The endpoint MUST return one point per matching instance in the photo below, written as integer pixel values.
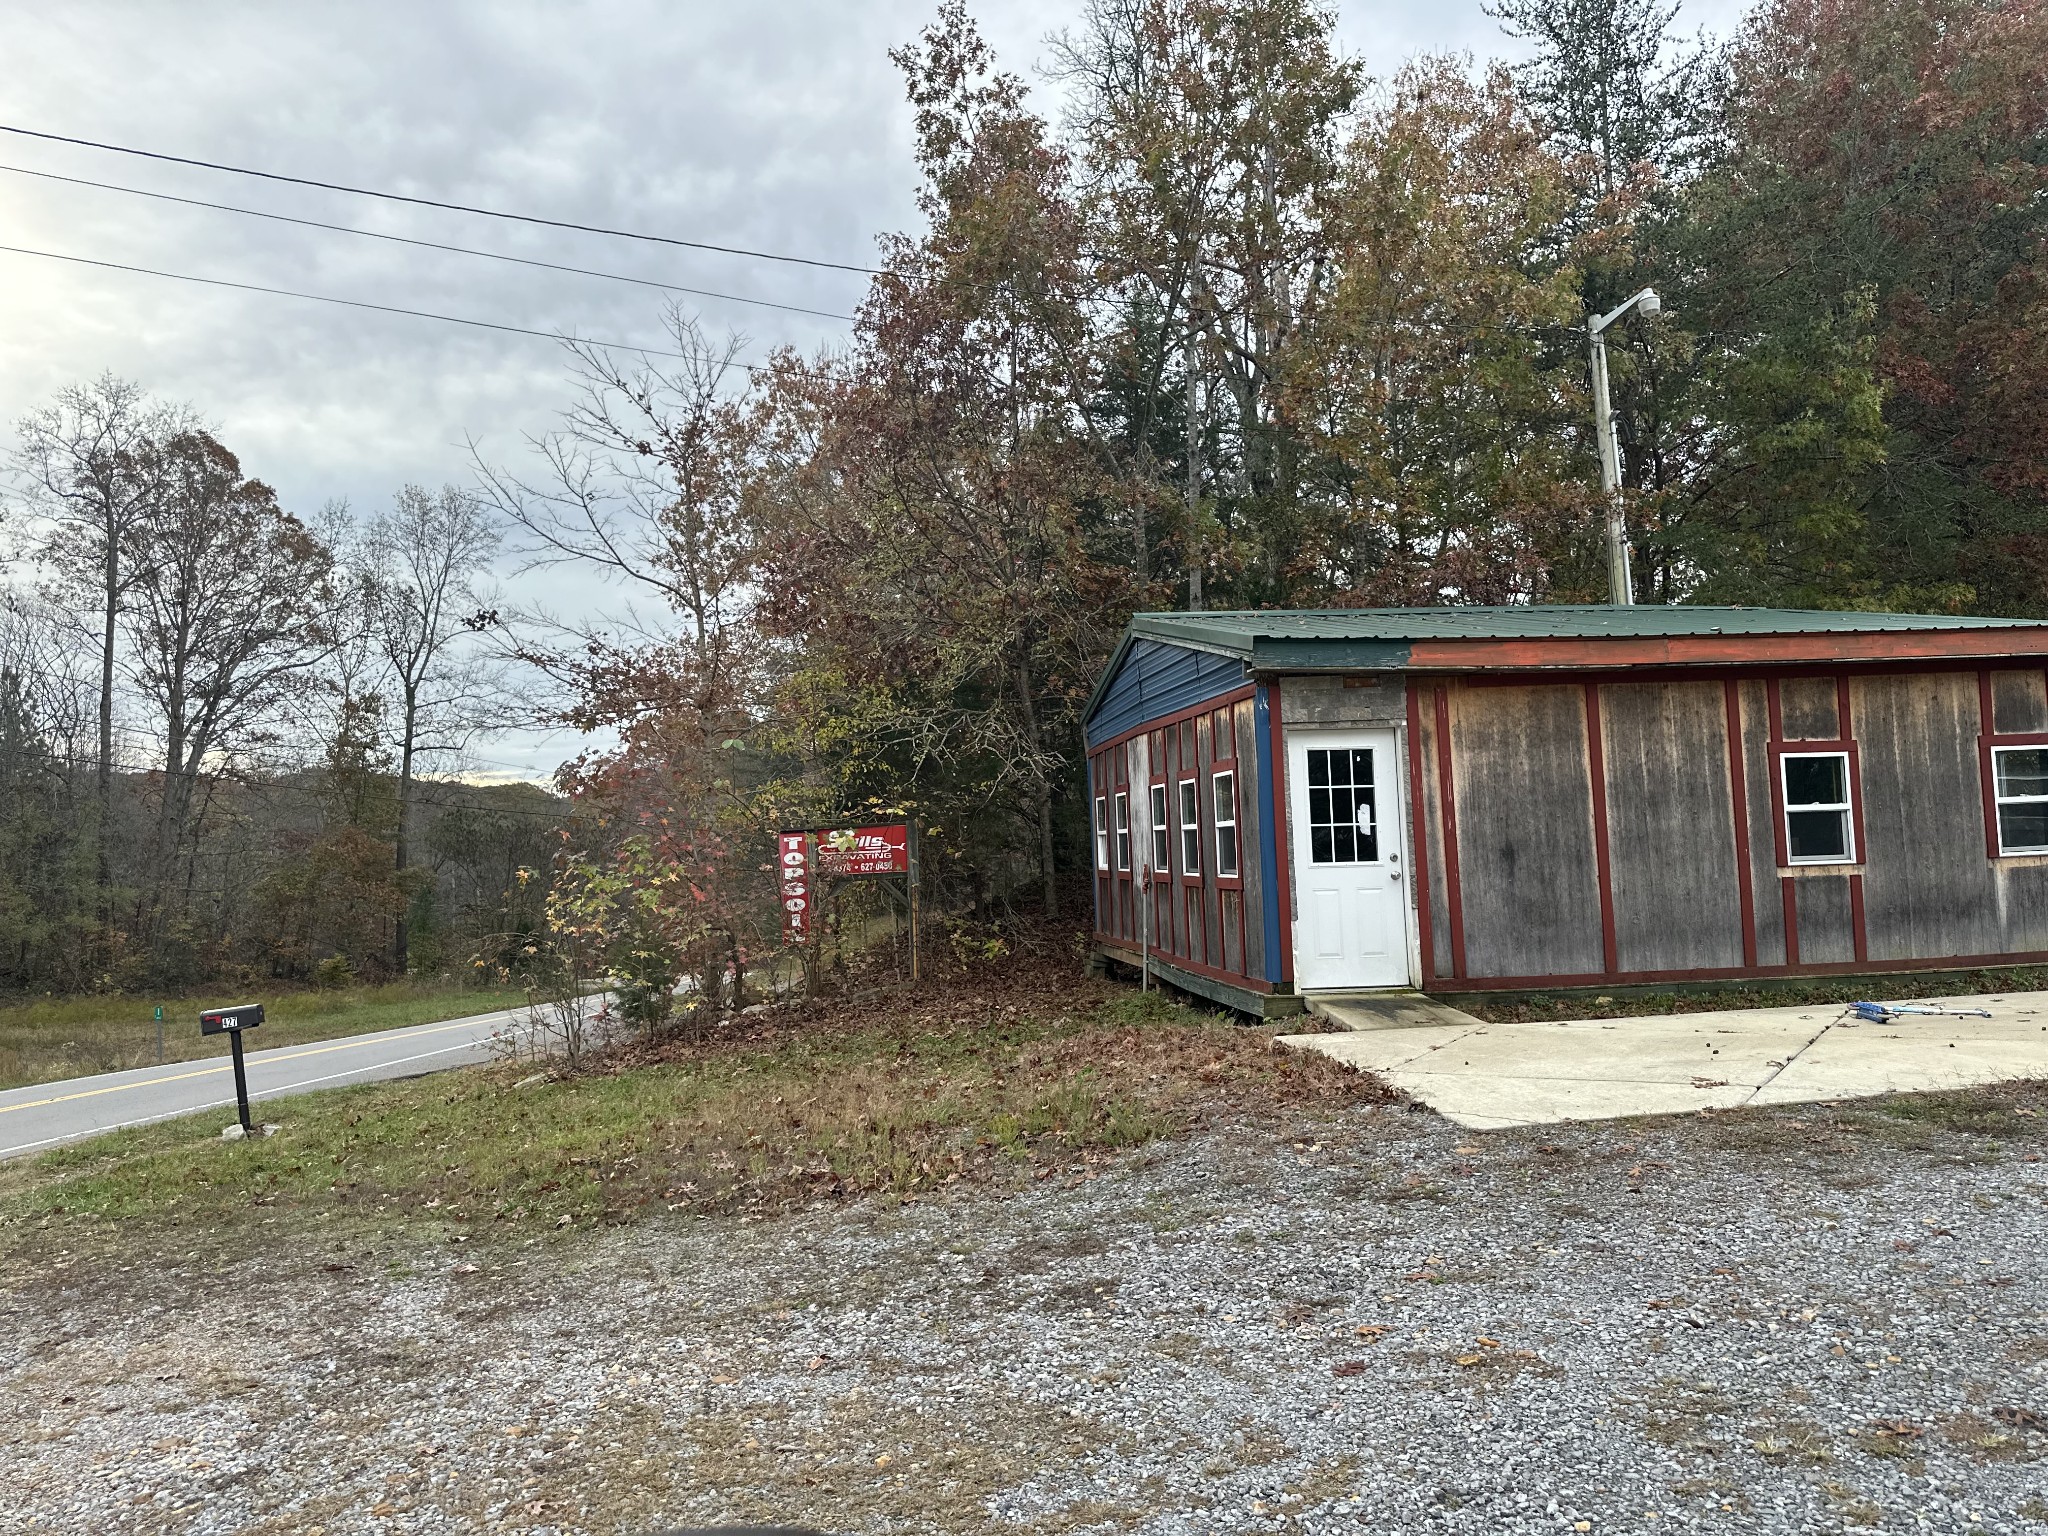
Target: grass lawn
(51, 1038)
(894, 1095)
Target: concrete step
(1393, 1009)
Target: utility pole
(1620, 583)
(1194, 414)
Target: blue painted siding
(1156, 679)
(1275, 828)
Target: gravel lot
(1759, 1322)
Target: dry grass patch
(1010, 1071)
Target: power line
(430, 245)
(383, 309)
(428, 202)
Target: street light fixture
(1620, 587)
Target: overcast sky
(777, 125)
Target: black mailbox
(223, 1021)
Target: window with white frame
(1819, 826)
(1101, 832)
(1123, 830)
(1223, 792)
(2020, 777)
(1190, 828)
(1159, 833)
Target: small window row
(1113, 827)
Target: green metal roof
(1381, 639)
(1239, 632)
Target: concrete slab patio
(1488, 1076)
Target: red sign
(883, 850)
(795, 875)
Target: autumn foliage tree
(1237, 324)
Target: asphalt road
(48, 1114)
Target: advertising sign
(795, 874)
(880, 850)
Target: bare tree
(92, 468)
(645, 486)
(227, 619)
(417, 572)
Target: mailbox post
(231, 1022)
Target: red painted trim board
(1233, 698)
(1281, 863)
(1603, 862)
(1738, 797)
(1447, 809)
(1570, 677)
(1418, 817)
(1706, 650)
(1845, 727)
(1986, 727)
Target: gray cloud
(777, 126)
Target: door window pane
(1343, 817)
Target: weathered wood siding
(1671, 827)
(2020, 701)
(1445, 936)
(1930, 888)
(1807, 707)
(1523, 870)
(1253, 827)
(1524, 805)
(1767, 895)
(1212, 925)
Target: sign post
(817, 853)
(231, 1022)
(795, 875)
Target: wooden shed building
(1465, 799)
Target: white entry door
(1351, 918)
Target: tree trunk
(401, 852)
(103, 782)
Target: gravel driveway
(1759, 1322)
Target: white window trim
(1847, 807)
(1122, 828)
(2000, 800)
(1161, 841)
(1218, 805)
(1101, 832)
(1190, 794)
